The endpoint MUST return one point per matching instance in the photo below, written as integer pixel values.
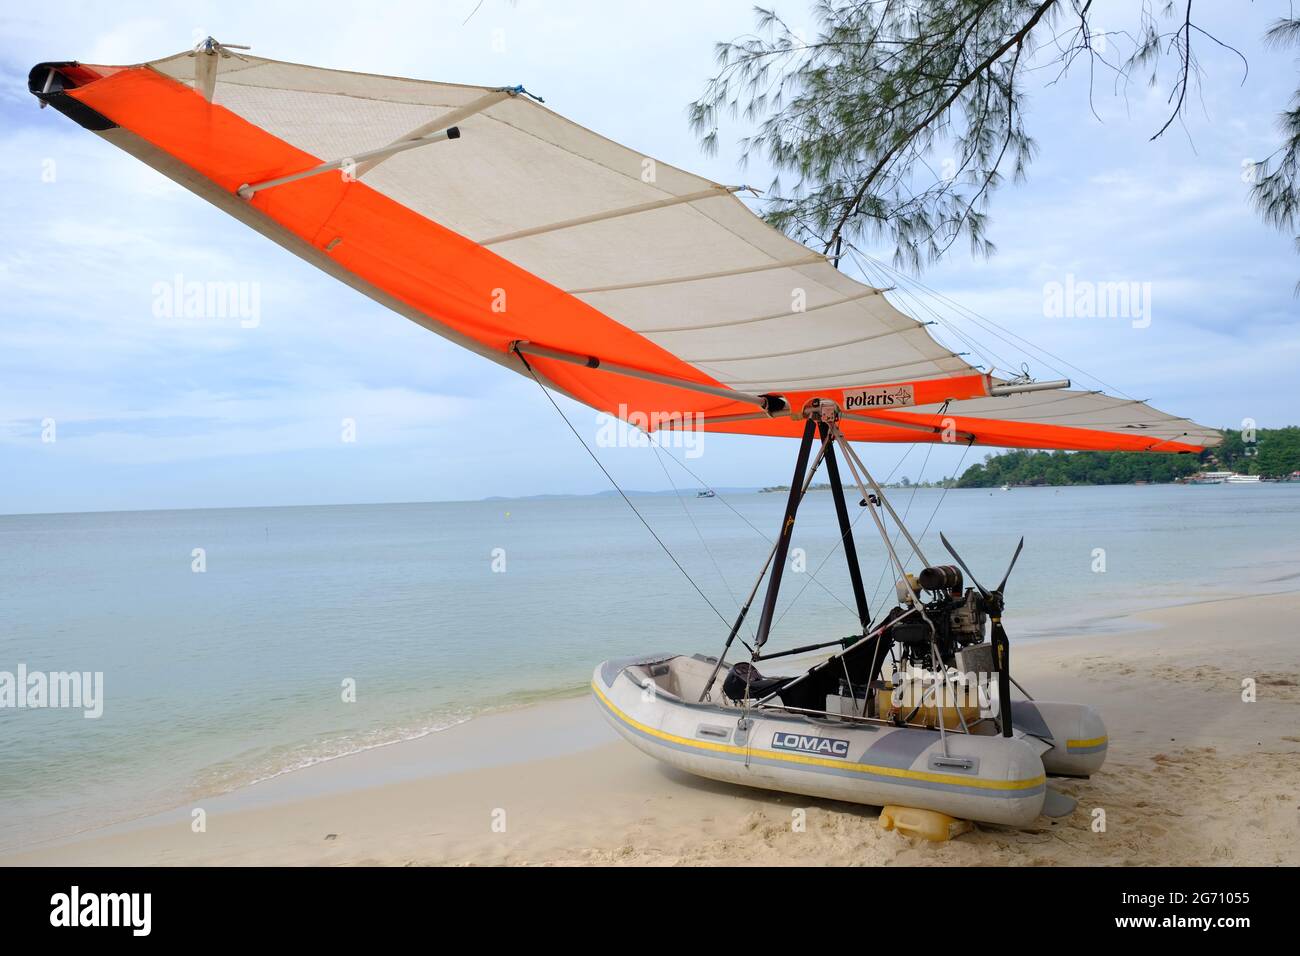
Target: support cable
(760, 532)
(691, 518)
(622, 493)
(991, 327)
(853, 524)
(933, 514)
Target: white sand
(1194, 776)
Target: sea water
(235, 645)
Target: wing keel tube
(771, 404)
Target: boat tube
(1075, 731)
(652, 703)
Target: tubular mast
(821, 417)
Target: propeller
(957, 557)
(993, 603)
(1020, 547)
(993, 599)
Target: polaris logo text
(102, 909)
(807, 744)
(889, 396)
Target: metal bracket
(206, 53)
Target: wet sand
(1195, 775)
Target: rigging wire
(897, 533)
(918, 305)
(726, 623)
(948, 323)
(911, 499)
(852, 524)
(920, 477)
(866, 264)
(915, 305)
(989, 325)
(757, 530)
(689, 517)
(934, 514)
(906, 286)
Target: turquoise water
(215, 679)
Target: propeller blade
(957, 558)
(1019, 548)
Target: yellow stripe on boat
(943, 778)
(1091, 742)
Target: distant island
(1274, 453)
(901, 483)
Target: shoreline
(1184, 748)
(1126, 620)
(197, 794)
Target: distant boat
(1202, 480)
(1243, 479)
(1006, 487)
(709, 493)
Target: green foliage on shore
(1275, 453)
(1077, 468)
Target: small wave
(259, 766)
(218, 780)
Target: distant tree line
(1274, 453)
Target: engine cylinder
(945, 577)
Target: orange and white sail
(624, 282)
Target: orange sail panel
(446, 276)
(530, 228)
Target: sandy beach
(1195, 775)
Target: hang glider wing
(628, 284)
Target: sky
(155, 410)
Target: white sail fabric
(670, 255)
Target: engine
(959, 616)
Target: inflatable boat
(916, 710)
(652, 702)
